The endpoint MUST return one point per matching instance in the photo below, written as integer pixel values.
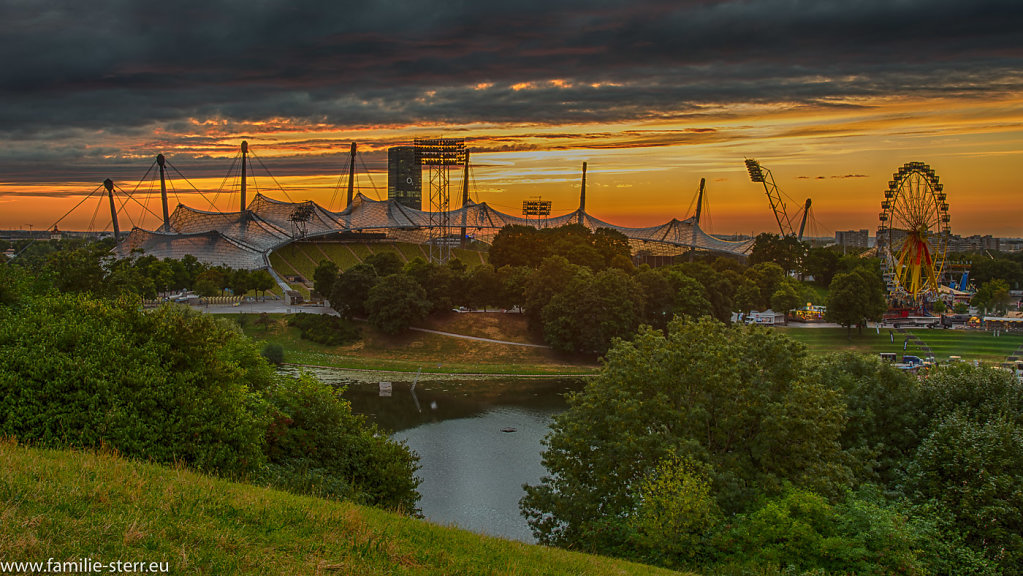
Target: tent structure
(245, 239)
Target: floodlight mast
(465, 198)
(758, 173)
(440, 154)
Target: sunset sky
(831, 96)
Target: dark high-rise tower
(405, 176)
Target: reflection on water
(473, 471)
(478, 442)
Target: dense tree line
(174, 386)
(578, 289)
(90, 267)
(731, 451)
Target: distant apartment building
(852, 238)
(975, 243)
(1011, 244)
(405, 176)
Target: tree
(395, 303)
(822, 264)
(206, 285)
(676, 508)
(719, 283)
(994, 296)
(516, 245)
(658, 296)
(438, 281)
(241, 282)
(984, 270)
(885, 413)
(485, 287)
(324, 277)
(385, 263)
(612, 245)
(512, 281)
(689, 298)
(262, 281)
(786, 297)
(854, 298)
(551, 278)
(78, 270)
(787, 252)
(747, 296)
(350, 290)
(736, 401)
(768, 277)
(593, 310)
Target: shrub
(167, 385)
(325, 329)
(274, 353)
(316, 445)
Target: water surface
(478, 440)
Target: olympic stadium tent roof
(245, 239)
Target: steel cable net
(245, 239)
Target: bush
(316, 445)
(167, 385)
(325, 329)
(172, 386)
(274, 353)
(803, 532)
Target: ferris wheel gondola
(913, 234)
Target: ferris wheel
(913, 233)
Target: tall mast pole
(465, 195)
(245, 152)
(696, 224)
(582, 196)
(806, 214)
(351, 176)
(109, 185)
(160, 161)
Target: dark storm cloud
(120, 66)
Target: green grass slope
(71, 505)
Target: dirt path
(479, 339)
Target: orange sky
(841, 155)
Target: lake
(478, 440)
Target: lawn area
(432, 353)
(69, 505)
(970, 345)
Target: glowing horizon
(640, 173)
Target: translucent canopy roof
(245, 239)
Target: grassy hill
(71, 505)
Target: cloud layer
(109, 73)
